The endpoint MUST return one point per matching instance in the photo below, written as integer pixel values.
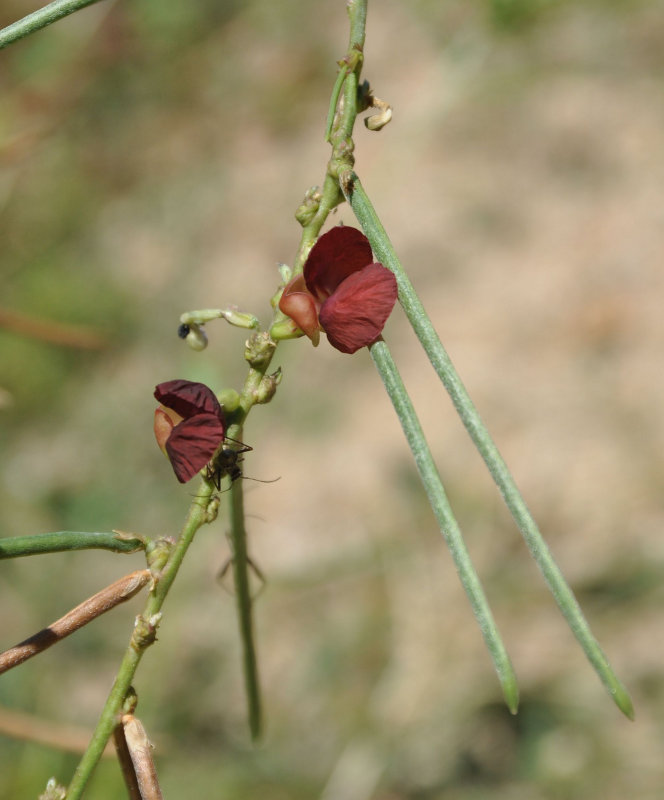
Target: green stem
(107, 722)
(349, 68)
(331, 197)
(259, 353)
(383, 250)
(141, 639)
(341, 120)
(13, 547)
(40, 19)
(339, 129)
(446, 520)
(357, 14)
(240, 564)
(336, 91)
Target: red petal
(336, 255)
(192, 444)
(356, 313)
(301, 307)
(188, 398)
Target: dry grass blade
(142, 776)
(118, 592)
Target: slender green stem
(340, 122)
(142, 638)
(330, 198)
(479, 434)
(341, 119)
(40, 19)
(339, 129)
(107, 722)
(259, 353)
(445, 516)
(336, 91)
(357, 14)
(13, 547)
(240, 564)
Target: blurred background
(152, 155)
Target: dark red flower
(341, 291)
(189, 425)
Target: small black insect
(227, 462)
(183, 331)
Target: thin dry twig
(126, 764)
(118, 592)
(140, 774)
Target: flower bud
(286, 273)
(212, 509)
(53, 791)
(267, 387)
(259, 350)
(285, 329)
(145, 630)
(130, 701)
(307, 211)
(229, 399)
(157, 553)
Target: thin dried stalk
(139, 772)
(118, 592)
(126, 764)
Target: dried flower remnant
(341, 291)
(189, 425)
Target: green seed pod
(267, 387)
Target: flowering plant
(189, 425)
(341, 292)
(344, 283)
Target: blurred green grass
(152, 156)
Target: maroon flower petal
(354, 316)
(336, 255)
(300, 306)
(187, 398)
(192, 444)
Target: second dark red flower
(341, 291)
